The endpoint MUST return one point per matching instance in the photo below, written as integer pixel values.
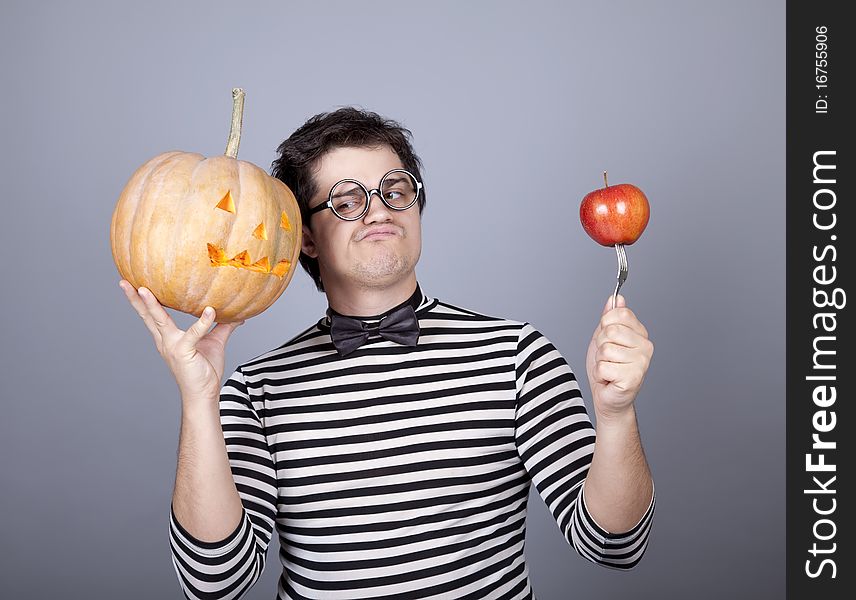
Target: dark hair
(347, 127)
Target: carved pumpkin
(204, 232)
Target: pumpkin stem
(605, 182)
(235, 130)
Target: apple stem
(605, 182)
(235, 129)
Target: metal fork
(622, 271)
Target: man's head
(351, 144)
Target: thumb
(198, 330)
(619, 302)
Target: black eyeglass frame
(368, 192)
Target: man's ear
(308, 243)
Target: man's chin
(387, 270)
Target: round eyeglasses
(349, 199)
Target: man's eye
(393, 195)
(346, 204)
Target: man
(392, 443)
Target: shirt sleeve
(555, 440)
(230, 567)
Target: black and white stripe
(402, 472)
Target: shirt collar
(417, 300)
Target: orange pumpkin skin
(174, 231)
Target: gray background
(516, 109)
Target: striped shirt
(402, 472)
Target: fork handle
(618, 281)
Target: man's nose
(378, 211)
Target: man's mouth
(378, 234)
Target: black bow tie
(400, 326)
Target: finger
(624, 316)
(134, 298)
(622, 377)
(615, 353)
(159, 316)
(198, 330)
(606, 308)
(607, 372)
(619, 334)
(619, 302)
(140, 307)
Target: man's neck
(361, 301)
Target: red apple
(615, 214)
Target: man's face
(380, 249)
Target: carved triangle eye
(227, 203)
(260, 233)
(281, 268)
(284, 222)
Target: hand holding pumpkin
(196, 357)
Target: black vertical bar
(821, 438)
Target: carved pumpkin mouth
(242, 259)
